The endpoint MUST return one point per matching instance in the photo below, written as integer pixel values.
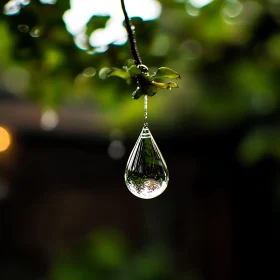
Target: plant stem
(132, 40)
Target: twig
(132, 40)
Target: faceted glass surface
(146, 173)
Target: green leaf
(118, 73)
(129, 63)
(134, 71)
(137, 93)
(168, 85)
(164, 72)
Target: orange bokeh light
(5, 139)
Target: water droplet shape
(146, 173)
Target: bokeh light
(113, 32)
(36, 32)
(5, 139)
(13, 7)
(199, 3)
(116, 149)
(89, 72)
(23, 28)
(81, 41)
(49, 119)
(16, 80)
(50, 2)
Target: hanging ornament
(146, 174)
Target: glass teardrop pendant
(146, 173)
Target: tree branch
(132, 40)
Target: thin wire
(145, 110)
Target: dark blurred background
(66, 134)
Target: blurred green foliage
(105, 254)
(227, 53)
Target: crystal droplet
(146, 173)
